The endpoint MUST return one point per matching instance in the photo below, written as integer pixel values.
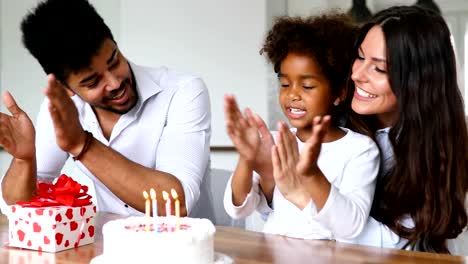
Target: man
(129, 128)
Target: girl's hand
(307, 165)
(293, 172)
(262, 163)
(242, 129)
(17, 133)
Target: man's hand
(69, 134)
(17, 134)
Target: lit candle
(147, 211)
(177, 208)
(168, 209)
(154, 204)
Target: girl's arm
(251, 198)
(343, 209)
(241, 183)
(244, 133)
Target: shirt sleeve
(352, 200)
(184, 149)
(255, 200)
(50, 158)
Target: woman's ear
(341, 96)
(337, 101)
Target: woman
(406, 95)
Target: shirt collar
(146, 85)
(382, 130)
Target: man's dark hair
(64, 35)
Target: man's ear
(69, 91)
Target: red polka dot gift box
(60, 217)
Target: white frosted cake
(128, 241)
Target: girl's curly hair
(329, 39)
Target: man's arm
(19, 183)
(182, 154)
(184, 146)
(17, 137)
(127, 179)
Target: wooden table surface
(242, 246)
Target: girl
(323, 194)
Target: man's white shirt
(168, 130)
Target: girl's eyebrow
(305, 76)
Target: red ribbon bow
(65, 191)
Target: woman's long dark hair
(430, 140)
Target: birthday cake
(135, 240)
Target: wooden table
(242, 246)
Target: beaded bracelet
(89, 138)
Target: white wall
(217, 40)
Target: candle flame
(153, 194)
(145, 194)
(174, 194)
(165, 195)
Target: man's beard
(133, 98)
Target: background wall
(218, 40)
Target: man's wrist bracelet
(89, 138)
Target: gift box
(60, 217)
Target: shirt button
(126, 206)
